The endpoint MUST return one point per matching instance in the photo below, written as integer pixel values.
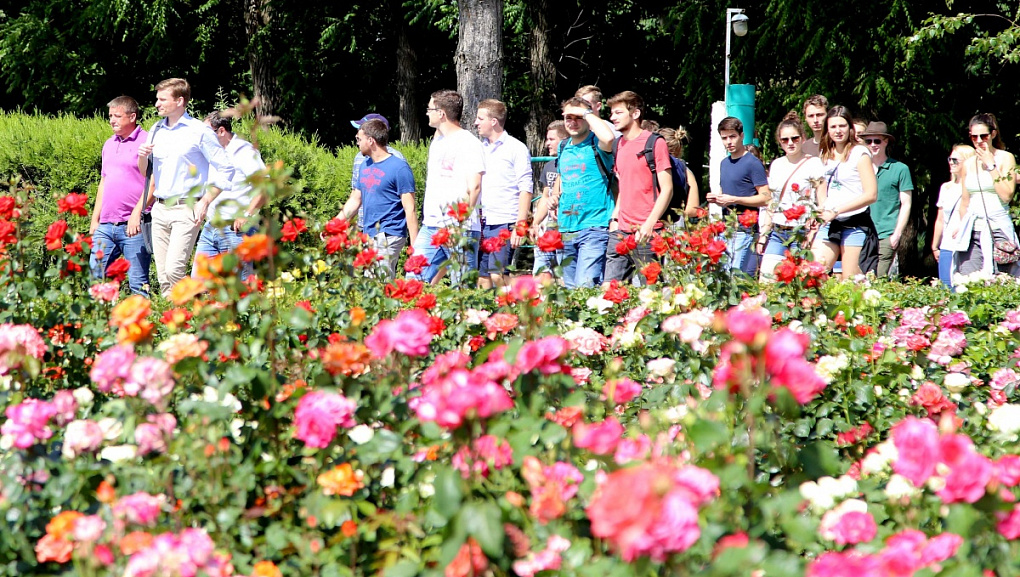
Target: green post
(740, 103)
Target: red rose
(616, 292)
(335, 244)
(306, 305)
(505, 234)
(659, 245)
(522, 228)
(441, 237)
(795, 187)
(651, 272)
(7, 206)
(426, 302)
(550, 241)
(786, 271)
(55, 235)
(459, 211)
(337, 226)
(405, 290)
(291, 229)
(7, 232)
(714, 250)
(366, 258)
(436, 325)
(415, 264)
(748, 218)
(492, 244)
(794, 212)
(74, 203)
(626, 245)
(118, 269)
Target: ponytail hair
(675, 139)
(988, 119)
(791, 120)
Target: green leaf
(484, 522)
(707, 434)
(820, 459)
(448, 492)
(401, 569)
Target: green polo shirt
(893, 178)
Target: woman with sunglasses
(851, 187)
(988, 185)
(948, 216)
(792, 180)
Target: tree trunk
(257, 19)
(479, 55)
(542, 101)
(407, 74)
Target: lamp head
(739, 24)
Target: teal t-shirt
(585, 198)
(893, 178)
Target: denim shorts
(779, 242)
(851, 236)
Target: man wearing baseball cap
(891, 211)
(360, 158)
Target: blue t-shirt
(585, 198)
(381, 184)
(742, 176)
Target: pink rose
(150, 439)
(140, 508)
(111, 368)
(745, 324)
(106, 292)
(632, 449)
(620, 391)
(586, 341)
(407, 334)
(151, 379)
(27, 422)
(1009, 523)
(941, 547)
(599, 438)
(844, 564)
(969, 472)
(89, 528)
(917, 442)
(543, 355)
(80, 437)
(65, 405)
(854, 527)
(318, 415)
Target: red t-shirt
(637, 189)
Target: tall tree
(407, 76)
(479, 56)
(258, 25)
(542, 93)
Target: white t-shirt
(797, 188)
(233, 201)
(844, 182)
(949, 201)
(452, 160)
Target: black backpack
(678, 169)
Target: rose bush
(315, 421)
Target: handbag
(1004, 250)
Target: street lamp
(736, 21)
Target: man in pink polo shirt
(120, 188)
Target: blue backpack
(678, 169)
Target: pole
(726, 68)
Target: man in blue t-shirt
(585, 201)
(385, 188)
(359, 158)
(744, 186)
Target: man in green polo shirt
(892, 209)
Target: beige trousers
(174, 232)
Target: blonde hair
(966, 152)
(178, 87)
(675, 139)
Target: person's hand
(576, 110)
(145, 150)
(201, 207)
(894, 240)
(614, 225)
(134, 225)
(763, 240)
(239, 224)
(645, 232)
(516, 241)
(938, 253)
(92, 228)
(828, 215)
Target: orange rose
(357, 316)
(130, 311)
(469, 561)
(134, 542)
(182, 346)
(254, 247)
(208, 267)
(342, 480)
(135, 333)
(62, 524)
(266, 569)
(349, 528)
(186, 289)
(51, 548)
(350, 359)
(105, 493)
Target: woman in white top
(988, 186)
(851, 187)
(793, 180)
(948, 217)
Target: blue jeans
(110, 242)
(740, 248)
(584, 256)
(495, 262)
(468, 259)
(213, 241)
(779, 243)
(946, 267)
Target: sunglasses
(980, 137)
(572, 117)
(789, 139)
(872, 141)
(954, 161)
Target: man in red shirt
(639, 205)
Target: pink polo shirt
(122, 183)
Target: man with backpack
(645, 194)
(584, 193)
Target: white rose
(676, 414)
(917, 373)
(112, 428)
(600, 304)
(119, 453)
(646, 296)
(872, 297)
(899, 487)
(956, 382)
(387, 479)
(361, 434)
(661, 367)
(83, 396)
(631, 339)
(6, 442)
(1005, 419)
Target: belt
(121, 223)
(783, 227)
(174, 202)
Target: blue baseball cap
(367, 117)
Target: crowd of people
(612, 182)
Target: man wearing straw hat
(891, 211)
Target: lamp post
(736, 21)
